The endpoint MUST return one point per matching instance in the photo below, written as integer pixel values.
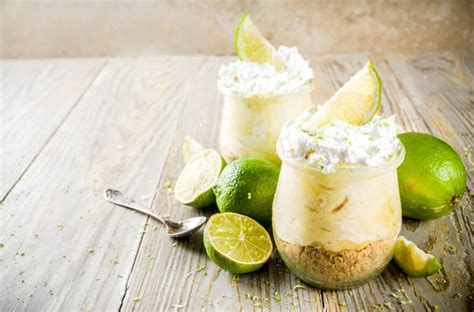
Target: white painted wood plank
(131, 142)
(65, 248)
(36, 96)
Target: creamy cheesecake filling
(338, 187)
(335, 211)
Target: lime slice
(250, 45)
(414, 261)
(190, 148)
(199, 175)
(237, 243)
(356, 102)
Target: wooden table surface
(72, 127)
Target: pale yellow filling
(251, 126)
(334, 211)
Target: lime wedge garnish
(356, 102)
(414, 261)
(199, 175)
(190, 148)
(250, 45)
(236, 242)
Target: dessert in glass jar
(258, 100)
(336, 211)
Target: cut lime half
(237, 243)
(199, 176)
(356, 102)
(251, 45)
(190, 148)
(414, 261)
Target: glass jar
(337, 230)
(250, 126)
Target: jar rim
(347, 169)
(309, 84)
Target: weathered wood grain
(36, 96)
(439, 88)
(126, 132)
(63, 246)
(167, 274)
(177, 274)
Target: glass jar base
(336, 270)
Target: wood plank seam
(53, 133)
(175, 138)
(124, 295)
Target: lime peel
(432, 178)
(250, 175)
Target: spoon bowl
(173, 229)
(186, 227)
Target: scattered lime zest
(136, 299)
(296, 287)
(168, 184)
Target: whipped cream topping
(248, 78)
(340, 143)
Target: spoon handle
(116, 197)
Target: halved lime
(199, 175)
(250, 45)
(190, 148)
(414, 261)
(236, 242)
(356, 102)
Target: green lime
(190, 148)
(250, 45)
(432, 178)
(198, 177)
(414, 261)
(247, 186)
(356, 102)
(236, 243)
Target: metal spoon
(173, 229)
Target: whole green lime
(247, 186)
(432, 178)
